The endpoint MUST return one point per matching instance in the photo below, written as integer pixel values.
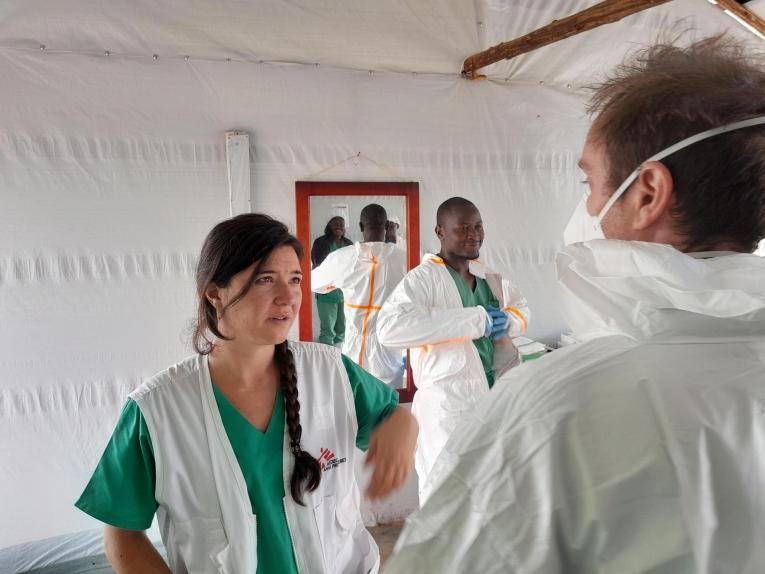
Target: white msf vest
(204, 510)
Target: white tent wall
(112, 170)
(513, 152)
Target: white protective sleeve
(328, 276)
(517, 309)
(409, 319)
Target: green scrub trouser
(332, 321)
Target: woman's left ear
(654, 198)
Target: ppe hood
(652, 291)
(376, 249)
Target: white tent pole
(238, 168)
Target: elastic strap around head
(674, 148)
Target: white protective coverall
(367, 273)
(425, 314)
(637, 450)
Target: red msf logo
(328, 460)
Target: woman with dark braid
(245, 452)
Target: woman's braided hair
(307, 473)
(232, 246)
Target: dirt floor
(386, 535)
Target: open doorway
(319, 202)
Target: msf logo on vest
(328, 460)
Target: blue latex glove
(496, 325)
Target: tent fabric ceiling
(395, 35)
(400, 35)
(573, 60)
(113, 169)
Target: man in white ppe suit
(367, 273)
(639, 449)
(456, 315)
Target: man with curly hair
(640, 449)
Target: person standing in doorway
(392, 233)
(367, 273)
(330, 305)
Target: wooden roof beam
(602, 13)
(743, 15)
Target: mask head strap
(672, 149)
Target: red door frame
(304, 190)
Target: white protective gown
(425, 314)
(638, 450)
(367, 273)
